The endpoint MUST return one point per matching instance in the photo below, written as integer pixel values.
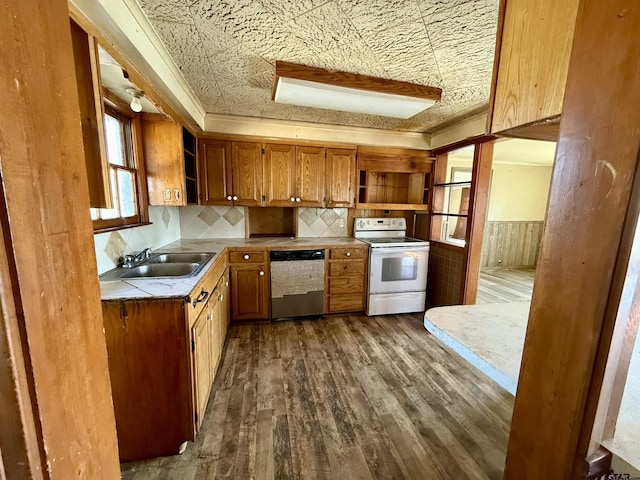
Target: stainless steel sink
(161, 270)
(180, 258)
(169, 265)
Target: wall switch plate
(167, 194)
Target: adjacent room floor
(505, 285)
(346, 396)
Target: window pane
(452, 229)
(109, 213)
(126, 184)
(114, 140)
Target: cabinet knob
(235, 197)
(229, 197)
(210, 317)
(348, 254)
(220, 297)
(293, 199)
(298, 199)
(261, 273)
(226, 284)
(246, 257)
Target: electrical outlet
(167, 194)
(341, 223)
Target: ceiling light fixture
(350, 92)
(136, 104)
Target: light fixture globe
(136, 104)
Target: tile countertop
(144, 288)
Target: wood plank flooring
(505, 285)
(342, 397)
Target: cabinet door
(341, 178)
(164, 160)
(215, 172)
(246, 169)
(279, 173)
(310, 163)
(249, 292)
(201, 346)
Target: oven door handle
(386, 250)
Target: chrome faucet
(134, 259)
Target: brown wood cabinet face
(532, 63)
(250, 292)
(164, 161)
(346, 280)
(310, 168)
(149, 365)
(87, 68)
(246, 170)
(201, 336)
(341, 178)
(215, 172)
(280, 171)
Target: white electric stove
(397, 266)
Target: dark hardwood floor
(503, 285)
(345, 396)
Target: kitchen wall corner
(212, 222)
(322, 222)
(164, 229)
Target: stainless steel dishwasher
(297, 283)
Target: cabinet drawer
(346, 268)
(340, 285)
(347, 253)
(248, 256)
(345, 303)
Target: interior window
(123, 174)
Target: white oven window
(396, 269)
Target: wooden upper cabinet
(215, 172)
(87, 69)
(246, 171)
(164, 160)
(341, 178)
(294, 176)
(532, 60)
(310, 176)
(279, 173)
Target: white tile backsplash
(164, 228)
(322, 222)
(212, 222)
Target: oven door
(398, 269)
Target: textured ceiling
(226, 50)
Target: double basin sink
(172, 265)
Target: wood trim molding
(352, 80)
(464, 143)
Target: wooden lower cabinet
(250, 292)
(163, 355)
(346, 279)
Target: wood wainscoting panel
(511, 244)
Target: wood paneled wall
(511, 244)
